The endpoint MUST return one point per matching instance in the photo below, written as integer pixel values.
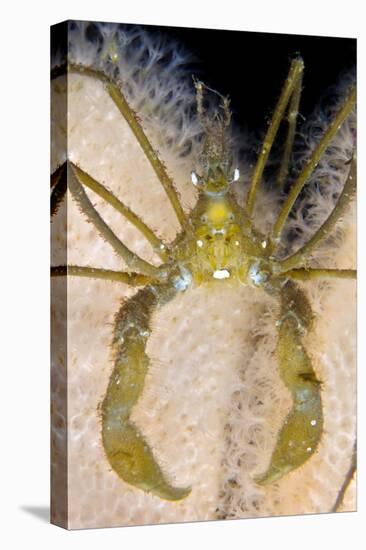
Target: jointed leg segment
(291, 87)
(58, 187)
(292, 114)
(88, 181)
(118, 98)
(304, 274)
(132, 259)
(132, 279)
(311, 164)
(344, 199)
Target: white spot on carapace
(199, 243)
(236, 174)
(313, 422)
(194, 178)
(221, 274)
(309, 449)
(264, 244)
(237, 243)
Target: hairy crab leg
(324, 230)
(88, 181)
(114, 91)
(132, 259)
(133, 279)
(58, 187)
(126, 448)
(303, 426)
(304, 274)
(291, 118)
(292, 84)
(302, 179)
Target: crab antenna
(215, 150)
(199, 100)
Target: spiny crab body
(219, 245)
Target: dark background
(251, 67)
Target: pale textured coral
(213, 401)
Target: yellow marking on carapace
(218, 212)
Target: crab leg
(132, 259)
(303, 426)
(292, 85)
(291, 118)
(311, 164)
(58, 187)
(324, 230)
(88, 181)
(126, 448)
(120, 101)
(132, 279)
(304, 274)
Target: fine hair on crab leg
(132, 279)
(90, 182)
(324, 230)
(303, 426)
(305, 274)
(120, 101)
(291, 118)
(126, 448)
(132, 259)
(292, 85)
(58, 187)
(311, 164)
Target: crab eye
(236, 175)
(194, 178)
